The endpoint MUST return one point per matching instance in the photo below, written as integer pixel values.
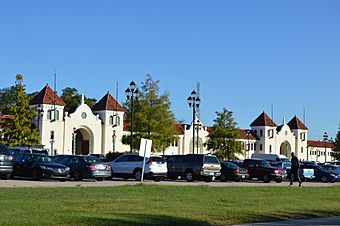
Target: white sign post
(145, 151)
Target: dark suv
(261, 169)
(193, 167)
(6, 164)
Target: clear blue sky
(246, 54)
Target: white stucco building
(100, 130)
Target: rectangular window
(301, 149)
(254, 147)
(270, 148)
(260, 147)
(261, 133)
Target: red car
(262, 170)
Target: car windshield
(3, 150)
(211, 160)
(286, 164)
(158, 160)
(42, 159)
(263, 163)
(91, 159)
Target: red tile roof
(244, 136)
(296, 123)
(319, 144)
(180, 128)
(47, 96)
(263, 120)
(108, 103)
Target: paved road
(118, 182)
(317, 221)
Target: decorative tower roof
(296, 123)
(47, 96)
(263, 120)
(108, 103)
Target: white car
(130, 166)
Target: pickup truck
(262, 170)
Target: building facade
(100, 129)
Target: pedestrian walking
(295, 170)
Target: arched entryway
(83, 141)
(285, 149)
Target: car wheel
(36, 175)
(208, 179)
(278, 180)
(77, 176)
(324, 179)
(5, 176)
(189, 176)
(62, 180)
(137, 175)
(237, 180)
(157, 179)
(99, 179)
(223, 178)
(266, 179)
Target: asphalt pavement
(120, 182)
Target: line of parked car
(38, 165)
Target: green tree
(17, 129)
(223, 138)
(72, 98)
(336, 148)
(153, 118)
(7, 97)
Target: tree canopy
(17, 129)
(72, 98)
(336, 149)
(223, 138)
(153, 118)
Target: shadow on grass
(288, 215)
(140, 219)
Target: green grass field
(164, 205)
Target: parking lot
(120, 182)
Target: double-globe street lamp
(325, 139)
(131, 93)
(194, 102)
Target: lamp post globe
(131, 94)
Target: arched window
(111, 120)
(49, 114)
(56, 115)
(118, 121)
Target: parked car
(6, 164)
(230, 171)
(16, 150)
(85, 167)
(131, 165)
(239, 163)
(262, 170)
(193, 167)
(39, 166)
(330, 167)
(283, 165)
(318, 173)
(270, 157)
(336, 163)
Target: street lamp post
(131, 93)
(325, 139)
(194, 102)
(74, 141)
(52, 142)
(114, 141)
(248, 131)
(40, 111)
